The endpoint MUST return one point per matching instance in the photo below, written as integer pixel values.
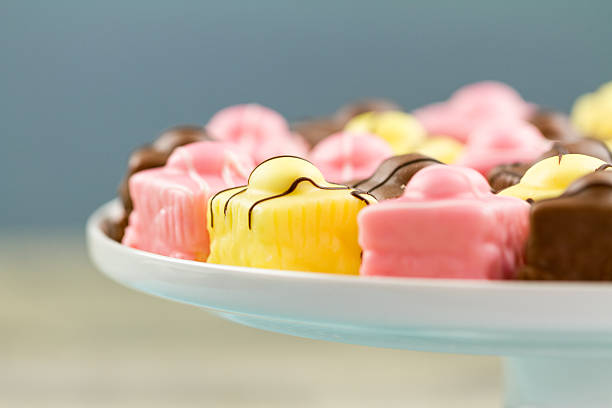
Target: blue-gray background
(82, 83)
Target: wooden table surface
(71, 338)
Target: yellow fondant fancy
(442, 148)
(287, 217)
(401, 130)
(550, 177)
(592, 113)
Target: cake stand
(556, 338)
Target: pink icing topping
(169, 216)
(446, 182)
(489, 98)
(261, 131)
(347, 156)
(503, 141)
(447, 224)
(470, 107)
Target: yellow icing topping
(442, 148)
(278, 175)
(550, 177)
(288, 217)
(592, 113)
(401, 130)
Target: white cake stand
(556, 337)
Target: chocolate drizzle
(228, 200)
(603, 167)
(587, 146)
(354, 193)
(210, 203)
(394, 171)
(560, 149)
(273, 158)
(243, 190)
(293, 186)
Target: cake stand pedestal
(556, 338)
